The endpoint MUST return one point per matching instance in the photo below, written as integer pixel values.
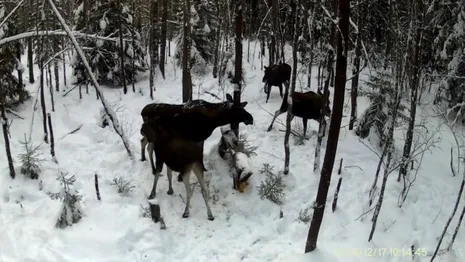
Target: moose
(307, 105)
(276, 75)
(180, 155)
(185, 125)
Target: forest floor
(245, 227)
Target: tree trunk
(164, 28)
(186, 66)
(4, 122)
(355, 77)
(289, 117)
(274, 43)
(322, 126)
(30, 60)
(20, 73)
(334, 127)
(121, 47)
(238, 60)
(42, 102)
(52, 140)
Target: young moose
(180, 155)
(276, 75)
(306, 105)
(193, 121)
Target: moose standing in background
(306, 105)
(276, 75)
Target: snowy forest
(316, 130)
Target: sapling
(71, 211)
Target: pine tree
(104, 56)
(203, 36)
(11, 91)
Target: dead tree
(42, 101)
(287, 153)
(334, 127)
(4, 121)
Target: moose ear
(229, 98)
(243, 104)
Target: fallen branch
(11, 111)
(72, 132)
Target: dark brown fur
(306, 105)
(180, 155)
(276, 75)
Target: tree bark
(4, 122)
(164, 28)
(121, 47)
(355, 77)
(334, 127)
(287, 153)
(186, 68)
(238, 60)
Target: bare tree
(163, 39)
(291, 92)
(334, 127)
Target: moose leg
(170, 183)
(143, 144)
(157, 172)
(186, 179)
(198, 171)
(268, 87)
(281, 90)
(276, 114)
(150, 152)
(304, 122)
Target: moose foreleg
(276, 114)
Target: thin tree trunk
(238, 59)
(164, 27)
(322, 125)
(42, 102)
(4, 122)
(186, 47)
(30, 60)
(334, 127)
(20, 72)
(52, 140)
(355, 77)
(50, 87)
(121, 47)
(290, 116)
(57, 76)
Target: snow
(245, 227)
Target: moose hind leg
(143, 144)
(186, 179)
(281, 90)
(304, 123)
(157, 171)
(198, 171)
(169, 172)
(276, 114)
(268, 87)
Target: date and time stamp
(380, 252)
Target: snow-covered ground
(245, 226)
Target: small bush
(124, 187)
(71, 211)
(305, 215)
(246, 148)
(30, 161)
(273, 186)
